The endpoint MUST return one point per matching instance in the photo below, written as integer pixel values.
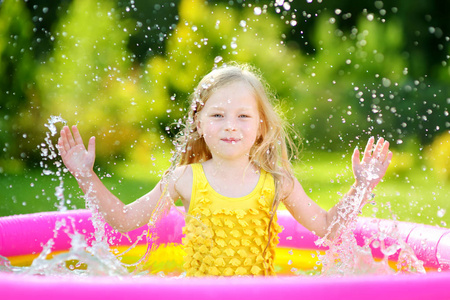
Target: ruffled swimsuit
(230, 236)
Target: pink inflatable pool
(22, 235)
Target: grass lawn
(412, 194)
(415, 194)
(33, 192)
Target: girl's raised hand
(370, 170)
(73, 152)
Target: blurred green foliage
(123, 70)
(17, 70)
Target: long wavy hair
(273, 147)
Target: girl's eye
(217, 115)
(244, 116)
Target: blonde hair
(271, 149)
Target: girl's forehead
(234, 94)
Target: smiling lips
(230, 140)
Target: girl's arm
(368, 173)
(80, 162)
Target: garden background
(123, 71)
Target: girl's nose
(230, 125)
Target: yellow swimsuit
(228, 236)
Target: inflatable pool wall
(25, 234)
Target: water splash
(345, 257)
(80, 260)
(96, 259)
(98, 255)
(5, 265)
(49, 154)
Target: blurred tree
(124, 69)
(45, 14)
(17, 70)
(199, 42)
(88, 75)
(417, 35)
(353, 73)
(155, 21)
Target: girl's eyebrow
(238, 108)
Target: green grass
(32, 192)
(414, 194)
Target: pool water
(167, 260)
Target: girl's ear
(260, 129)
(198, 125)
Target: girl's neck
(230, 168)
(231, 178)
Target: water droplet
(376, 244)
(233, 44)
(257, 11)
(441, 213)
(47, 172)
(386, 82)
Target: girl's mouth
(230, 140)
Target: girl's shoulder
(181, 179)
(287, 181)
(182, 173)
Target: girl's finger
(69, 136)
(77, 135)
(368, 150)
(91, 146)
(64, 143)
(384, 151)
(61, 149)
(378, 147)
(388, 160)
(355, 157)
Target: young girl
(232, 173)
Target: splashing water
(49, 153)
(96, 259)
(346, 238)
(346, 257)
(5, 265)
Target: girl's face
(229, 121)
